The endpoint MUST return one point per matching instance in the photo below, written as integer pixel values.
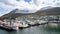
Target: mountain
(50, 11)
(45, 8)
(17, 13)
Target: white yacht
(23, 24)
(31, 22)
(42, 21)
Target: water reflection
(41, 29)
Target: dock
(6, 28)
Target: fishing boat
(23, 24)
(42, 21)
(31, 22)
(8, 26)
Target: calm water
(41, 29)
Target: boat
(8, 26)
(31, 23)
(23, 24)
(42, 22)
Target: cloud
(34, 4)
(5, 8)
(8, 5)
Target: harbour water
(40, 29)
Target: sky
(8, 5)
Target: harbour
(29, 16)
(23, 22)
(41, 29)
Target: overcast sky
(8, 5)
